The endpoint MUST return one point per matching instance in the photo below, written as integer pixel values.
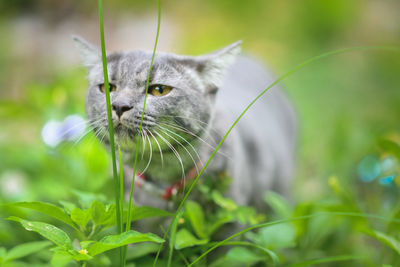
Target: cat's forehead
(138, 62)
(134, 66)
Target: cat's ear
(89, 53)
(211, 67)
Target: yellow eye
(111, 87)
(159, 90)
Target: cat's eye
(111, 87)
(159, 89)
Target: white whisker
(194, 135)
(187, 151)
(206, 124)
(159, 148)
(143, 143)
(151, 151)
(182, 138)
(174, 151)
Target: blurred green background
(345, 103)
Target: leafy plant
(89, 238)
(293, 234)
(9, 258)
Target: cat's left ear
(211, 67)
(89, 53)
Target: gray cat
(192, 101)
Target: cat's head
(181, 92)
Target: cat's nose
(121, 107)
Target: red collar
(170, 191)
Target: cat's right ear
(89, 53)
(211, 67)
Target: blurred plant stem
(110, 126)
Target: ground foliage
(344, 208)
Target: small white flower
(54, 132)
(13, 184)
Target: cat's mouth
(122, 130)
(129, 128)
(163, 136)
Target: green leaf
(185, 239)
(343, 194)
(3, 254)
(81, 217)
(26, 249)
(48, 231)
(391, 147)
(244, 256)
(280, 206)
(115, 241)
(98, 212)
(223, 202)
(246, 215)
(325, 260)
(140, 250)
(85, 244)
(142, 212)
(109, 216)
(194, 213)
(61, 258)
(47, 209)
(87, 198)
(218, 223)
(102, 215)
(68, 206)
(82, 255)
(385, 239)
(275, 236)
(273, 258)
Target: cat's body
(200, 99)
(262, 143)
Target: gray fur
(209, 93)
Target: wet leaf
(47, 209)
(48, 231)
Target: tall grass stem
(121, 194)
(128, 218)
(110, 122)
(138, 142)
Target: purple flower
(70, 129)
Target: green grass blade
(121, 199)
(138, 142)
(109, 116)
(121, 184)
(128, 222)
(172, 240)
(110, 124)
(287, 74)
